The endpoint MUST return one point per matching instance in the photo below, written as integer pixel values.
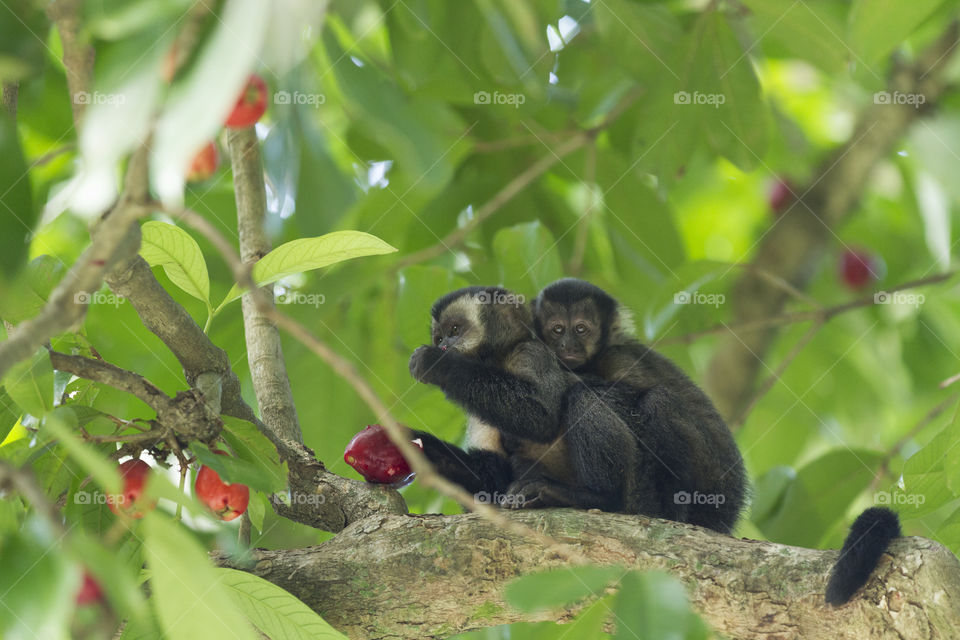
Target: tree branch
(446, 574)
(187, 414)
(792, 248)
(264, 350)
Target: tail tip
(870, 535)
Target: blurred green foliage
(402, 121)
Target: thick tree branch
(793, 247)
(445, 574)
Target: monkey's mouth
(571, 360)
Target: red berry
(250, 105)
(377, 459)
(858, 268)
(90, 592)
(780, 196)
(129, 503)
(204, 163)
(227, 500)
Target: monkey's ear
(623, 322)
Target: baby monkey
(698, 474)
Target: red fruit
(204, 163)
(377, 459)
(858, 268)
(227, 500)
(250, 105)
(89, 591)
(134, 474)
(780, 196)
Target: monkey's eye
(455, 329)
(558, 329)
(581, 328)
(436, 339)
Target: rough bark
(793, 247)
(433, 576)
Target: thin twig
(823, 314)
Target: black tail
(869, 537)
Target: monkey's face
(458, 327)
(573, 331)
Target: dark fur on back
(870, 535)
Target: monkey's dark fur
(486, 359)
(696, 472)
(870, 535)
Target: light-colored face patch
(467, 308)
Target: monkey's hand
(423, 364)
(535, 494)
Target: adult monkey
(531, 424)
(699, 474)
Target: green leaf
(257, 509)
(38, 584)
(62, 424)
(306, 254)
(253, 447)
(769, 491)
(189, 598)
(179, 254)
(17, 214)
(927, 476)
(9, 414)
(819, 496)
(30, 383)
(877, 27)
(113, 575)
(275, 612)
(559, 587)
(652, 606)
(527, 257)
(806, 30)
(233, 470)
(736, 128)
